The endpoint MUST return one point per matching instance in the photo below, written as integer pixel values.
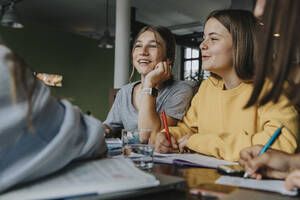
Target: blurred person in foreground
(39, 134)
(278, 58)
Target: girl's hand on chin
(159, 74)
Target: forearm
(227, 145)
(148, 118)
(223, 145)
(294, 161)
(181, 130)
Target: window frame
(184, 60)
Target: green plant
(196, 77)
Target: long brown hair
(241, 25)
(169, 39)
(278, 53)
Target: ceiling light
(11, 18)
(106, 41)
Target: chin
(206, 68)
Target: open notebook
(195, 159)
(188, 159)
(99, 177)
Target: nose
(203, 45)
(144, 51)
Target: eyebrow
(214, 33)
(139, 41)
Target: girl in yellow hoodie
(217, 124)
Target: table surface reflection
(197, 176)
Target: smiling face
(147, 52)
(216, 48)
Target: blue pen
(269, 143)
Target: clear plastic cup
(136, 136)
(141, 154)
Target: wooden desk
(193, 176)
(196, 176)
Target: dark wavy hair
(278, 53)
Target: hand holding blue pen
(267, 146)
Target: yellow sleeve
(189, 121)
(270, 117)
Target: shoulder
(213, 81)
(283, 100)
(268, 84)
(128, 87)
(208, 86)
(4, 50)
(179, 89)
(179, 86)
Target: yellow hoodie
(222, 128)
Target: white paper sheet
(199, 159)
(268, 185)
(101, 176)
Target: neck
(231, 81)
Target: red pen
(164, 118)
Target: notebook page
(199, 159)
(101, 176)
(268, 185)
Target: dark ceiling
(87, 17)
